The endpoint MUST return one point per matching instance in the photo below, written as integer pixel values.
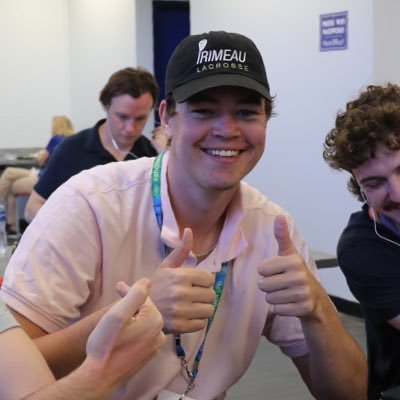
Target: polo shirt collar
(93, 143)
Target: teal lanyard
(218, 286)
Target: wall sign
(333, 30)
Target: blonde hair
(61, 125)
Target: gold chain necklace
(205, 254)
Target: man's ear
(165, 118)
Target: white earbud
(115, 144)
(375, 224)
(365, 198)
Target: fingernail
(145, 282)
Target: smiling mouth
(223, 153)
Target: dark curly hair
(370, 122)
(132, 81)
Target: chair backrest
(391, 394)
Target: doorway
(171, 23)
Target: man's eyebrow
(370, 178)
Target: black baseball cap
(214, 59)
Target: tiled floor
(272, 376)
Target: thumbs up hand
(289, 286)
(183, 295)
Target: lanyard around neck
(219, 278)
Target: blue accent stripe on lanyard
(219, 278)
(156, 188)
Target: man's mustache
(390, 206)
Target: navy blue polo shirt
(81, 151)
(371, 267)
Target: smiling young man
(366, 143)
(240, 269)
(127, 98)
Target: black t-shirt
(82, 151)
(371, 266)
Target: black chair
(391, 394)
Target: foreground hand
(125, 337)
(184, 296)
(159, 139)
(288, 284)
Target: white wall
(102, 40)
(56, 57)
(386, 39)
(34, 69)
(105, 36)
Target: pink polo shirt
(99, 228)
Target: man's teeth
(224, 153)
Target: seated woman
(22, 180)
